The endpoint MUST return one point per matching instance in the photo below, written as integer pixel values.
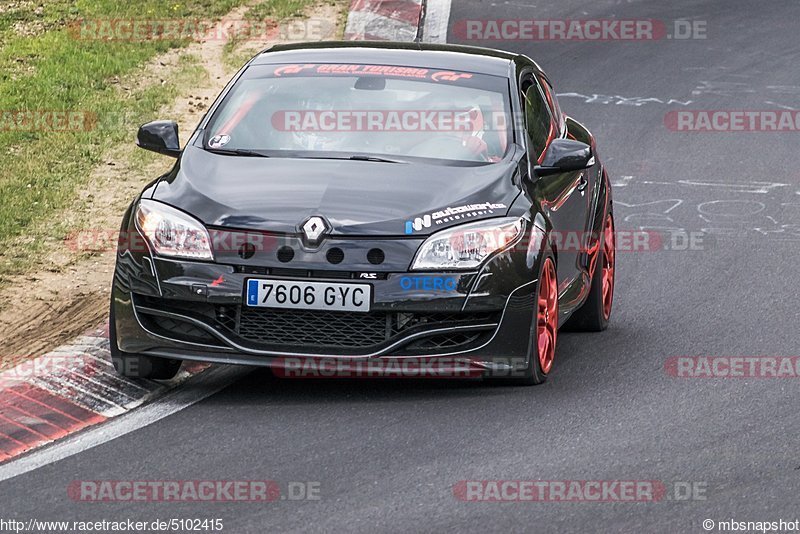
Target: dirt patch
(42, 310)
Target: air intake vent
(285, 254)
(335, 255)
(375, 256)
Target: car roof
(435, 56)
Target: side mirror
(161, 137)
(565, 155)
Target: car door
(563, 196)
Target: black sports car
(368, 201)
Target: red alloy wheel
(547, 316)
(609, 256)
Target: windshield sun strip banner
(362, 70)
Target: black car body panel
(254, 209)
(254, 194)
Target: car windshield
(364, 112)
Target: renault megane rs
(368, 201)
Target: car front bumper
(195, 310)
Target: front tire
(544, 329)
(138, 365)
(595, 313)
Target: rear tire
(138, 365)
(595, 313)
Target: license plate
(308, 295)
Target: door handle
(583, 182)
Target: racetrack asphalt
(387, 453)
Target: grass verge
(62, 104)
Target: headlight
(466, 246)
(173, 233)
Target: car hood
(356, 197)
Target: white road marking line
(789, 108)
(622, 182)
(742, 187)
(636, 101)
(191, 392)
(437, 20)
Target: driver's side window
(538, 121)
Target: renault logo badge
(314, 228)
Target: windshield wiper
(237, 152)
(354, 157)
(362, 157)
(255, 153)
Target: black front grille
(337, 332)
(343, 329)
(298, 327)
